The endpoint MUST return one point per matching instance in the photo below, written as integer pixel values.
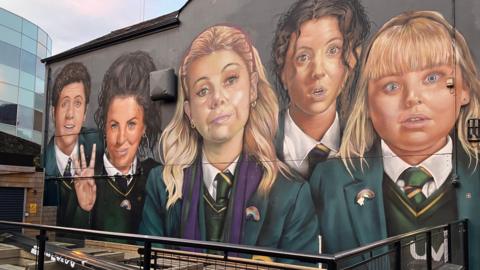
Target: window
(8, 92)
(29, 44)
(27, 81)
(9, 74)
(37, 120)
(39, 86)
(25, 117)
(39, 102)
(26, 98)
(41, 50)
(10, 55)
(10, 36)
(42, 37)
(11, 20)
(29, 29)
(28, 62)
(8, 113)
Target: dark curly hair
(129, 75)
(353, 23)
(71, 73)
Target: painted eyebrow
(223, 69)
(329, 41)
(229, 65)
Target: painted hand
(85, 187)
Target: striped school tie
(415, 178)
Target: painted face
(415, 111)
(69, 113)
(124, 130)
(314, 72)
(220, 93)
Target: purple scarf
(247, 178)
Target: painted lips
(414, 121)
(221, 118)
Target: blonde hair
(180, 143)
(408, 42)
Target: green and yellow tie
(415, 178)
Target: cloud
(73, 22)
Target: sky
(70, 23)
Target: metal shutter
(11, 205)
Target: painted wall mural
(362, 128)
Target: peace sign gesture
(85, 187)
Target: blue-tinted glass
(37, 120)
(49, 44)
(8, 92)
(42, 37)
(40, 69)
(25, 133)
(29, 44)
(10, 55)
(24, 117)
(10, 36)
(27, 81)
(8, 129)
(29, 29)
(11, 20)
(28, 62)
(8, 113)
(9, 74)
(41, 51)
(39, 102)
(26, 98)
(37, 137)
(39, 86)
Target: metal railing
(384, 254)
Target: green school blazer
(344, 224)
(62, 193)
(287, 217)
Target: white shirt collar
(209, 173)
(62, 159)
(439, 165)
(112, 171)
(297, 144)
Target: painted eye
(202, 92)
(391, 86)
(302, 58)
(131, 125)
(432, 78)
(113, 126)
(231, 80)
(77, 103)
(334, 50)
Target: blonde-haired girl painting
(405, 141)
(221, 180)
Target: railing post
(147, 255)
(429, 250)
(398, 255)
(41, 238)
(465, 243)
(449, 244)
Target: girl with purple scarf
(221, 179)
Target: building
(22, 76)
(22, 108)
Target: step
(11, 267)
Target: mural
(364, 131)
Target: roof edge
(170, 21)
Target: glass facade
(22, 76)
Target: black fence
(428, 248)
